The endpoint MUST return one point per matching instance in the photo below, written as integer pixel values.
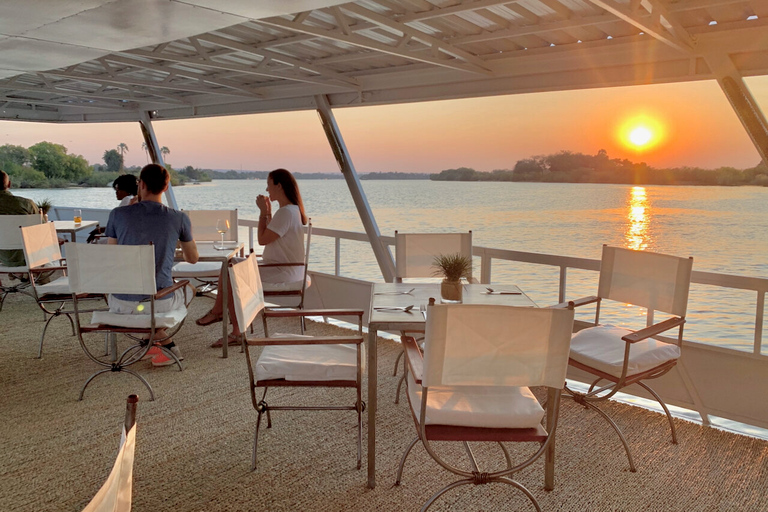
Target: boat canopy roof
(106, 60)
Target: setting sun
(640, 136)
(641, 133)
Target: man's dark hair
(155, 177)
(5, 180)
(127, 183)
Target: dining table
(399, 307)
(215, 251)
(70, 227)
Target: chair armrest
(290, 313)
(653, 330)
(281, 264)
(308, 340)
(40, 270)
(413, 357)
(576, 303)
(170, 289)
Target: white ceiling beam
(123, 81)
(433, 42)
(64, 89)
(460, 8)
(279, 57)
(365, 42)
(172, 72)
(678, 38)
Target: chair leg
(399, 385)
(262, 408)
(105, 370)
(402, 460)
(360, 407)
(666, 410)
(618, 431)
(42, 338)
(397, 361)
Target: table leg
(224, 311)
(372, 404)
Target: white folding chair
(622, 357)
(414, 255)
(10, 240)
(116, 495)
(470, 384)
(122, 269)
(204, 230)
(43, 256)
(295, 360)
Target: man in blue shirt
(150, 221)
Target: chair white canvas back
(116, 495)
(247, 291)
(486, 345)
(10, 235)
(204, 224)
(659, 282)
(41, 245)
(99, 268)
(415, 252)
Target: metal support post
(332, 132)
(741, 100)
(154, 152)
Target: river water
(723, 228)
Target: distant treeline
(567, 167)
(262, 175)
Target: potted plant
(452, 267)
(44, 206)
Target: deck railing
(487, 256)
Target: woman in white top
(282, 236)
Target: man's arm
(189, 251)
(112, 241)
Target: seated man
(13, 205)
(150, 221)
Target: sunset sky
(687, 124)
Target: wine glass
(222, 226)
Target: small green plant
(44, 205)
(452, 267)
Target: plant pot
(451, 291)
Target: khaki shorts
(130, 307)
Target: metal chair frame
(144, 338)
(594, 395)
(427, 434)
(10, 239)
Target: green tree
(113, 159)
(13, 155)
(49, 158)
(122, 148)
(165, 152)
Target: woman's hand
(264, 204)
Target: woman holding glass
(281, 234)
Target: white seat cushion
(294, 286)
(199, 269)
(166, 320)
(602, 348)
(309, 362)
(59, 286)
(478, 406)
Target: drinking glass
(222, 226)
(78, 218)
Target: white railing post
(563, 284)
(485, 268)
(338, 255)
(759, 313)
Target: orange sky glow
(692, 124)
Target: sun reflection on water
(637, 235)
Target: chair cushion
(308, 362)
(602, 348)
(166, 320)
(58, 286)
(284, 287)
(477, 406)
(199, 269)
